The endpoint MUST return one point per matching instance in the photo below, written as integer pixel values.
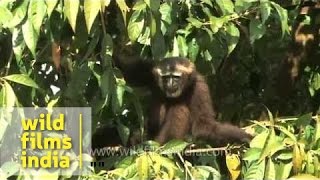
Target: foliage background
(59, 53)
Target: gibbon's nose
(170, 82)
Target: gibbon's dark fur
(181, 104)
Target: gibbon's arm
(136, 71)
(204, 126)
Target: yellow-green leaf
(91, 10)
(51, 4)
(37, 12)
(30, 36)
(9, 96)
(233, 164)
(143, 166)
(124, 9)
(22, 79)
(71, 8)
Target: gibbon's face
(172, 75)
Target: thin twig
(185, 166)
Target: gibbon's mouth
(173, 92)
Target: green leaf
(106, 50)
(37, 12)
(272, 145)
(3, 123)
(317, 130)
(242, 5)
(252, 154)
(233, 35)
(193, 49)
(304, 120)
(124, 132)
(226, 6)
(104, 3)
(9, 96)
(259, 140)
(287, 132)
(51, 4)
(183, 47)
(257, 30)
(270, 172)
(174, 146)
(22, 79)
(18, 45)
(19, 13)
(124, 9)
(91, 10)
(10, 168)
(139, 6)
(303, 177)
(297, 158)
(283, 170)
(283, 16)
(265, 10)
(143, 166)
(208, 2)
(5, 17)
(154, 5)
(135, 25)
(71, 8)
(30, 36)
(106, 86)
(216, 23)
(195, 22)
(255, 171)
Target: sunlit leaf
(252, 154)
(265, 10)
(174, 146)
(37, 11)
(9, 96)
(195, 22)
(154, 5)
(143, 166)
(30, 36)
(183, 47)
(233, 35)
(91, 10)
(216, 23)
(257, 30)
(242, 5)
(139, 5)
(71, 8)
(233, 164)
(270, 172)
(135, 25)
(226, 6)
(124, 9)
(21, 79)
(19, 13)
(259, 140)
(51, 4)
(297, 158)
(283, 16)
(10, 168)
(5, 17)
(18, 45)
(303, 177)
(283, 170)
